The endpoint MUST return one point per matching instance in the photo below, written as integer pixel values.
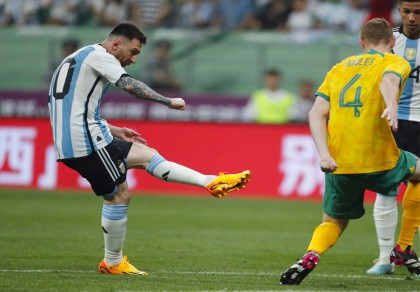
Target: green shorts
(344, 193)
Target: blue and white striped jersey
(408, 48)
(75, 94)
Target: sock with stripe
(324, 237)
(114, 224)
(172, 172)
(385, 213)
(411, 215)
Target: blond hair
(376, 30)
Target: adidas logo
(165, 175)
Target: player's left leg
(114, 225)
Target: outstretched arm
(127, 134)
(390, 88)
(141, 90)
(318, 125)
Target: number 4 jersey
(408, 48)
(75, 94)
(360, 140)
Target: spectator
(300, 18)
(196, 13)
(167, 14)
(112, 12)
(60, 12)
(272, 16)
(380, 9)
(85, 13)
(330, 14)
(68, 47)
(270, 105)
(159, 74)
(149, 14)
(356, 15)
(304, 102)
(233, 14)
(19, 12)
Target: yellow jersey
(360, 140)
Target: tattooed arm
(142, 91)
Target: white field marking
(315, 275)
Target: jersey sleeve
(400, 67)
(107, 66)
(324, 90)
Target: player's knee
(341, 223)
(122, 197)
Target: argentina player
(407, 45)
(103, 153)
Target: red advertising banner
(282, 158)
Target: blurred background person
(196, 13)
(159, 74)
(271, 104)
(380, 9)
(233, 14)
(154, 14)
(304, 102)
(330, 14)
(60, 12)
(271, 16)
(300, 18)
(356, 15)
(112, 12)
(167, 14)
(18, 12)
(68, 47)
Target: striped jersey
(408, 48)
(360, 140)
(75, 94)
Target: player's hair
(376, 30)
(130, 31)
(272, 72)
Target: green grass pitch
(53, 242)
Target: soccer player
(385, 210)
(357, 149)
(103, 153)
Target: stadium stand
(205, 60)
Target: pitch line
(315, 275)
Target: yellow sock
(324, 237)
(411, 215)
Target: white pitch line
(314, 275)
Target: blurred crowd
(278, 15)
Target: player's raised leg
(143, 157)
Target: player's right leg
(385, 214)
(144, 157)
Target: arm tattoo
(141, 90)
